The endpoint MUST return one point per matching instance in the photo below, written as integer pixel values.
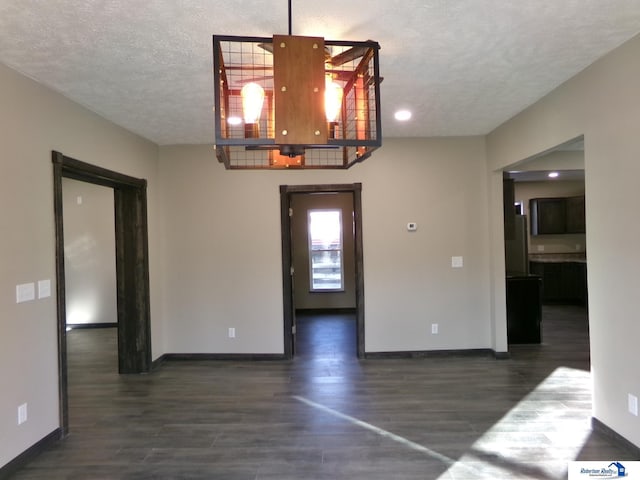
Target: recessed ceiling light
(402, 115)
(553, 174)
(234, 120)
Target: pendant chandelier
(295, 102)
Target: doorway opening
(89, 254)
(132, 268)
(323, 281)
(545, 249)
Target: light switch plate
(22, 414)
(633, 405)
(25, 292)
(412, 226)
(456, 262)
(44, 288)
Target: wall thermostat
(412, 226)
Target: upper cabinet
(575, 214)
(553, 216)
(548, 216)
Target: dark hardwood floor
(327, 415)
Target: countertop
(580, 257)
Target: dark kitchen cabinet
(552, 287)
(548, 216)
(562, 282)
(575, 214)
(524, 309)
(556, 216)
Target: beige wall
(603, 103)
(34, 121)
(223, 259)
(89, 253)
(555, 160)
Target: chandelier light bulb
(252, 100)
(332, 100)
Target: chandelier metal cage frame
(296, 78)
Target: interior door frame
(132, 268)
(286, 191)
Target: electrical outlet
(540, 248)
(633, 405)
(22, 413)
(232, 332)
(434, 328)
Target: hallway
(326, 336)
(328, 415)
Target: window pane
(325, 230)
(325, 249)
(326, 267)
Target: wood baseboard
(476, 352)
(221, 356)
(25, 457)
(598, 426)
(157, 363)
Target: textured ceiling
(463, 67)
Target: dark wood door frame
(286, 191)
(132, 267)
